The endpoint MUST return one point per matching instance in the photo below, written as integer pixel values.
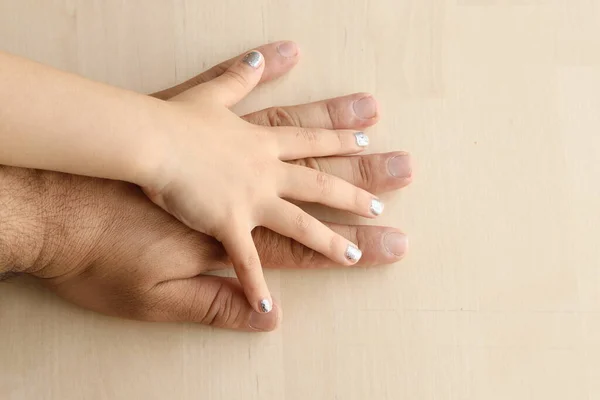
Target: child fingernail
(376, 207)
(265, 305)
(353, 253)
(361, 139)
(253, 59)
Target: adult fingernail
(265, 305)
(287, 49)
(395, 243)
(376, 207)
(399, 166)
(361, 139)
(353, 253)
(263, 322)
(253, 59)
(365, 107)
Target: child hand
(223, 176)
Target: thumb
(234, 84)
(211, 300)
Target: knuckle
(249, 263)
(341, 139)
(279, 116)
(308, 135)
(301, 222)
(363, 172)
(324, 182)
(333, 113)
(221, 310)
(302, 256)
(236, 76)
(186, 304)
(192, 309)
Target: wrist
(152, 155)
(50, 223)
(21, 219)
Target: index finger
(354, 111)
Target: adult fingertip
(366, 107)
(280, 58)
(288, 49)
(265, 322)
(396, 243)
(400, 166)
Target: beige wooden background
(499, 103)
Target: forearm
(58, 121)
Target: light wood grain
(499, 103)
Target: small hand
(223, 176)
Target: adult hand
(102, 245)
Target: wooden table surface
(499, 103)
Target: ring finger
(305, 184)
(290, 220)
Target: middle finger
(375, 173)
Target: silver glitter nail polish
(353, 253)
(361, 139)
(265, 305)
(253, 59)
(376, 207)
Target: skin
(186, 154)
(102, 245)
